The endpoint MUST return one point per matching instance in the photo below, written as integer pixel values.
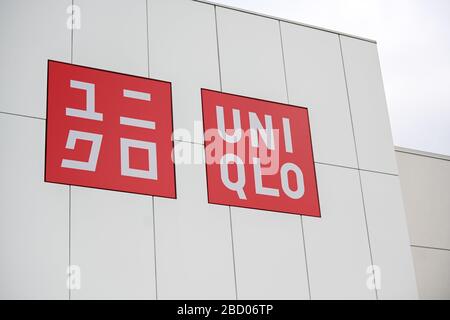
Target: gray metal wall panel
(251, 59)
(113, 36)
(183, 50)
(425, 185)
(432, 272)
(389, 235)
(269, 255)
(112, 243)
(370, 117)
(34, 227)
(32, 32)
(315, 79)
(193, 238)
(337, 247)
(268, 265)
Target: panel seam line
(427, 247)
(22, 115)
(267, 16)
(154, 247)
(357, 162)
(70, 239)
(153, 198)
(148, 41)
(218, 47)
(229, 207)
(232, 251)
(301, 217)
(70, 187)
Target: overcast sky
(414, 46)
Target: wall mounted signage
(259, 154)
(113, 131)
(109, 130)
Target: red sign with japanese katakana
(259, 154)
(109, 130)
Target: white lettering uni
(266, 133)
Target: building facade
(425, 182)
(121, 245)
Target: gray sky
(414, 46)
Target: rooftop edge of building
(422, 153)
(284, 20)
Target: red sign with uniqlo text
(259, 154)
(109, 130)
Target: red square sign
(108, 130)
(259, 154)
